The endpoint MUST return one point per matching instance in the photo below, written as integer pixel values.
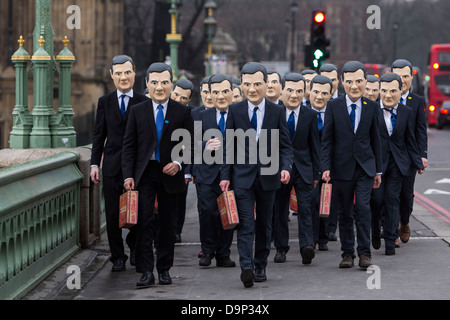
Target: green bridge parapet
(39, 220)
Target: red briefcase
(128, 214)
(228, 210)
(325, 200)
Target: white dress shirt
(296, 113)
(260, 115)
(357, 111)
(128, 96)
(387, 118)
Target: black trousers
(407, 198)
(359, 187)
(304, 219)
(112, 190)
(251, 231)
(387, 199)
(215, 240)
(148, 228)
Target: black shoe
(280, 256)
(118, 265)
(260, 275)
(389, 251)
(205, 260)
(323, 247)
(247, 278)
(164, 278)
(225, 263)
(146, 280)
(307, 254)
(332, 236)
(376, 242)
(132, 258)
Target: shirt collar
(350, 102)
(405, 97)
(394, 108)
(218, 111)
(261, 106)
(155, 105)
(129, 93)
(323, 110)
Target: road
(419, 270)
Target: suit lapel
(301, 115)
(344, 110)
(170, 114)
(151, 117)
(114, 103)
(267, 116)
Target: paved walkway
(419, 270)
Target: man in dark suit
(112, 116)
(216, 241)
(254, 179)
(308, 75)
(320, 93)
(332, 72)
(182, 93)
(400, 158)
(273, 87)
(351, 155)
(372, 88)
(153, 166)
(404, 69)
(304, 134)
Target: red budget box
(293, 200)
(325, 200)
(228, 210)
(128, 214)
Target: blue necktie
(393, 117)
(291, 125)
(159, 127)
(254, 121)
(222, 122)
(353, 114)
(320, 121)
(123, 109)
(401, 100)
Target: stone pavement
(419, 270)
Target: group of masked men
(369, 143)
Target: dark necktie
(222, 122)
(308, 103)
(353, 114)
(320, 121)
(291, 125)
(159, 127)
(401, 100)
(393, 117)
(254, 121)
(123, 109)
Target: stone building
(99, 38)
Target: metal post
(40, 136)
(63, 133)
(20, 134)
(174, 38)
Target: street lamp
(395, 29)
(210, 25)
(174, 38)
(294, 9)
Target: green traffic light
(318, 54)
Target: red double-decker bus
(439, 80)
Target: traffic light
(318, 51)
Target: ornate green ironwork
(39, 226)
(43, 128)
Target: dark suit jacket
(195, 112)
(306, 145)
(208, 173)
(140, 142)
(401, 143)
(243, 175)
(109, 126)
(417, 105)
(342, 148)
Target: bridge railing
(39, 220)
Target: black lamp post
(294, 9)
